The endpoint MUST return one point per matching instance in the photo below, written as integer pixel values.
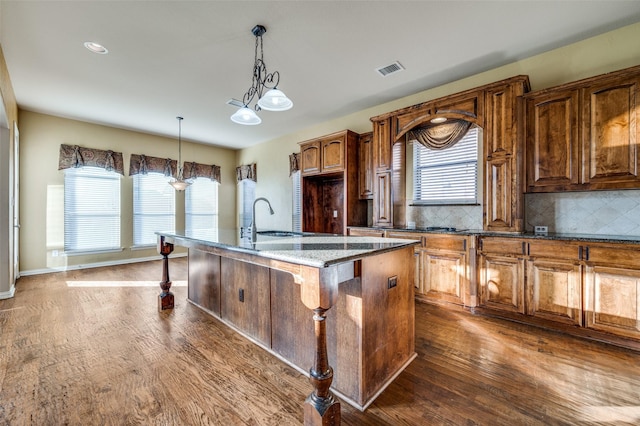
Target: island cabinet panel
(204, 280)
(246, 298)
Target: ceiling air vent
(235, 103)
(390, 69)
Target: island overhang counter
(265, 289)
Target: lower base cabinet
(501, 280)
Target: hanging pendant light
(179, 183)
(273, 100)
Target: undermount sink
(279, 233)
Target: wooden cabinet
(365, 232)
(445, 266)
(204, 280)
(365, 166)
(382, 143)
(584, 135)
(418, 255)
(503, 206)
(330, 188)
(592, 286)
(612, 289)
(501, 274)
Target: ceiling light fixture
(179, 183)
(438, 120)
(96, 48)
(273, 99)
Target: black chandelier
(273, 99)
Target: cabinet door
(502, 283)
(204, 280)
(332, 156)
(554, 290)
(245, 298)
(613, 300)
(611, 134)
(382, 145)
(553, 145)
(310, 158)
(365, 166)
(499, 198)
(444, 276)
(382, 203)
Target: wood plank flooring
(90, 348)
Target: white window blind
(248, 196)
(91, 210)
(447, 176)
(297, 202)
(153, 207)
(201, 205)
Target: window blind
(153, 207)
(91, 209)
(297, 202)
(201, 205)
(447, 176)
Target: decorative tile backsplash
(594, 212)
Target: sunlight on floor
(612, 414)
(123, 284)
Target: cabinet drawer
(445, 242)
(366, 232)
(404, 235)
(513, 246)
(554, 249)
(628, 256)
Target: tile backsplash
(593, 212)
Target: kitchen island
(265, 289)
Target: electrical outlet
(540, 229)
(392, 281)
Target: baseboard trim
(94, 265)
(8, 294)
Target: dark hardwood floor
(90, 348)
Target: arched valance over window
(294, 163)
(74, 156)
(247, 172)
(196, 170)
(143, 164)
(440, 136)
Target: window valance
(143, 164)
(440, 136)
(294, 163)
(196, 170)
(74, 156)
(247, 172)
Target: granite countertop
(317, 250)
(596, 238)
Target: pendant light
(273, 100)
(179, 183)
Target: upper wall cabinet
(584, 135)
(324, 155)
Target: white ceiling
(170, 58)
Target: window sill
(143, 247)
(90, 252)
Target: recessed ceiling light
(96, 48)
(438, 120)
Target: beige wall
(608, 52)
(42, 192)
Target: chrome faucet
(253, 218)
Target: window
(247, 196)
(201, 205)
(153, 207)
(91, 210)
(297, 202)
(447, 176)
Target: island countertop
(316, 250)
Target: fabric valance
(247, 172)
(195, 170)
(74, 156)
(440, 136)
(294, 163)
(143, 164)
